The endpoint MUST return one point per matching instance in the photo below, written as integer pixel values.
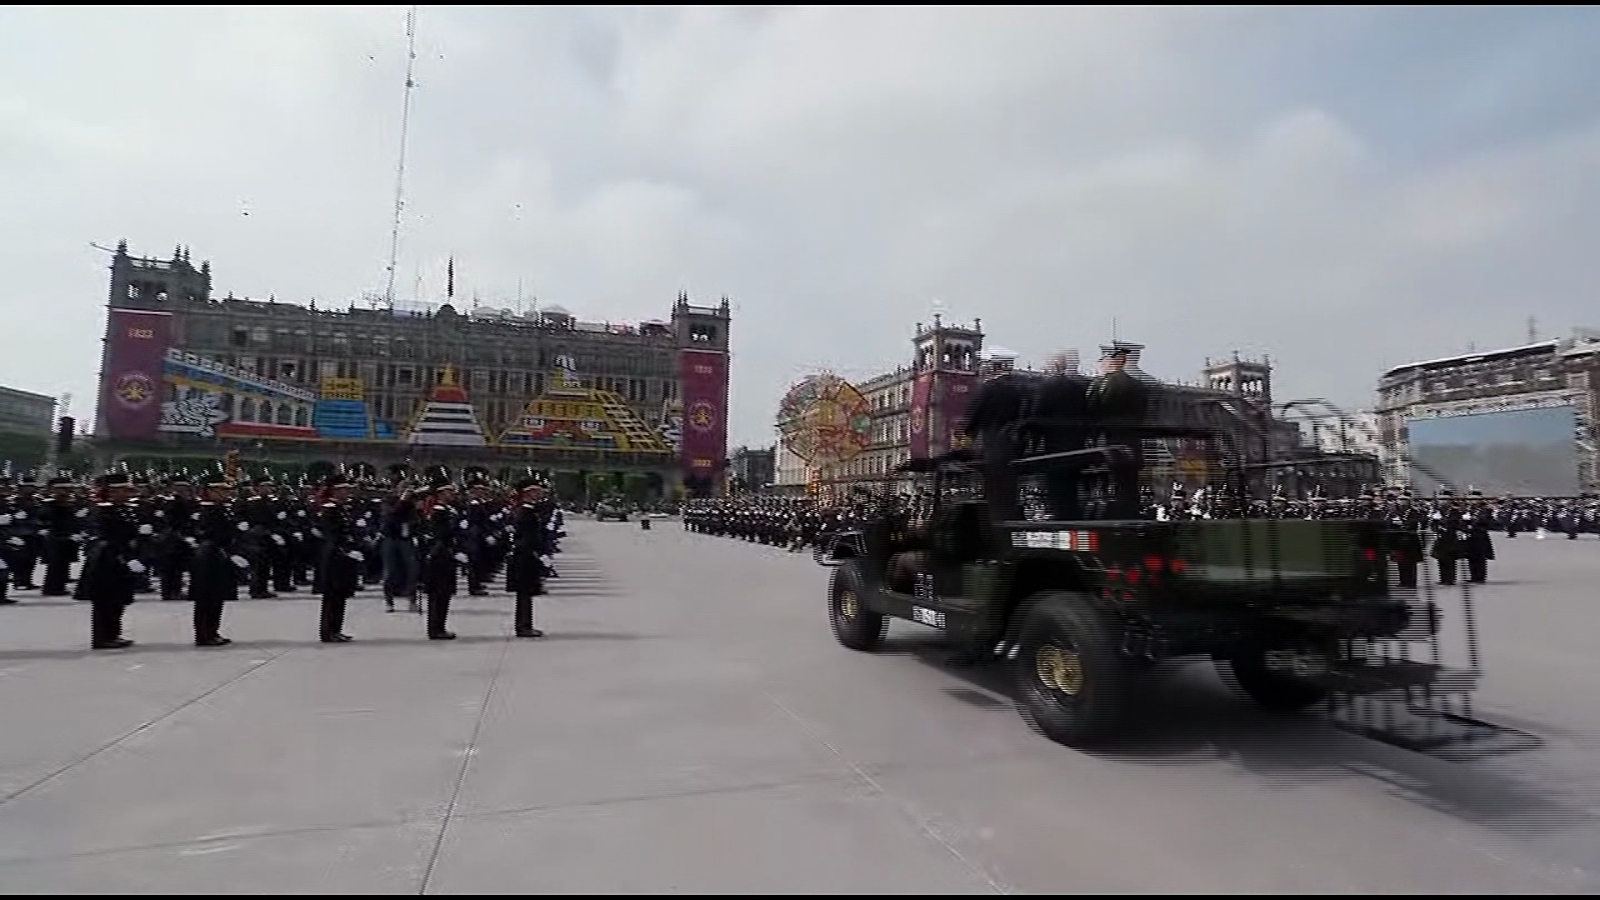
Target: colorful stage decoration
(825, 420)
(570, 415)
(447, 419)
(342, 414)
(208, 399)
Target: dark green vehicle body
(1286, 604)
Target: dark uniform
(339, 572)
(442, 558)
(110, 572)
(999, 403)
(216, 566)
(1117, 400)
(532, 543)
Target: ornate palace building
(916, 409)
(188, 375)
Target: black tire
(1072, 679)
(1276, 692)
(854, 625)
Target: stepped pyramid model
(341, 412)
(569, 414)
(448, 419)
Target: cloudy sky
(1343, 189)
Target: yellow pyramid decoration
(570, 416)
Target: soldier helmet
(62, 480)
(338, 480)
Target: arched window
(247, 410)
(285, 414)
(265, 412)
(301, 417)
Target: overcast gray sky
(1344, 189)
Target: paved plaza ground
(690, 726)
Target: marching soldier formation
(208, 539)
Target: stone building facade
(187, 372)
(1234, 396)
(1542, 374)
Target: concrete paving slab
(388, 859)
(828, 838)
(690, 725)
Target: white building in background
(791, 472)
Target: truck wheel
(854, 625)
(1278, 692)
(1072, 681)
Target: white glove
(244, 526)
(5, 520)
(316, 532)
(489, 541)
(83, 513)
(282, 516)
(240, 561)
(361, 523)
(297, 536)
(160, 514)
(135, 567)
(461, 557)
(278, 539)
(357, 555)
(21, 516)
(15, 542)
(146, 530)
(462, 525)
(191, 541)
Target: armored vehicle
(610, 509)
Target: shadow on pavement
(1185, 714)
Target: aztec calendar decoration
(825, 420)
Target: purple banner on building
(131, 394)
(957, 391)
(703, 375)
(921, 394)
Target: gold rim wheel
(1059, 669)
(847, 605)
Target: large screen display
(1528, 452)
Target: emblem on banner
(919, 420)
(702, 416)
(134, 389)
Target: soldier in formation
(206, 540)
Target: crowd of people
(204, 540)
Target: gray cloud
(1343, 189)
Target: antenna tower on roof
(400, 168)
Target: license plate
(928, 617)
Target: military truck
(1080, 609)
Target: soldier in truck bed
(1002, 400)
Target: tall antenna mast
(400, 169)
